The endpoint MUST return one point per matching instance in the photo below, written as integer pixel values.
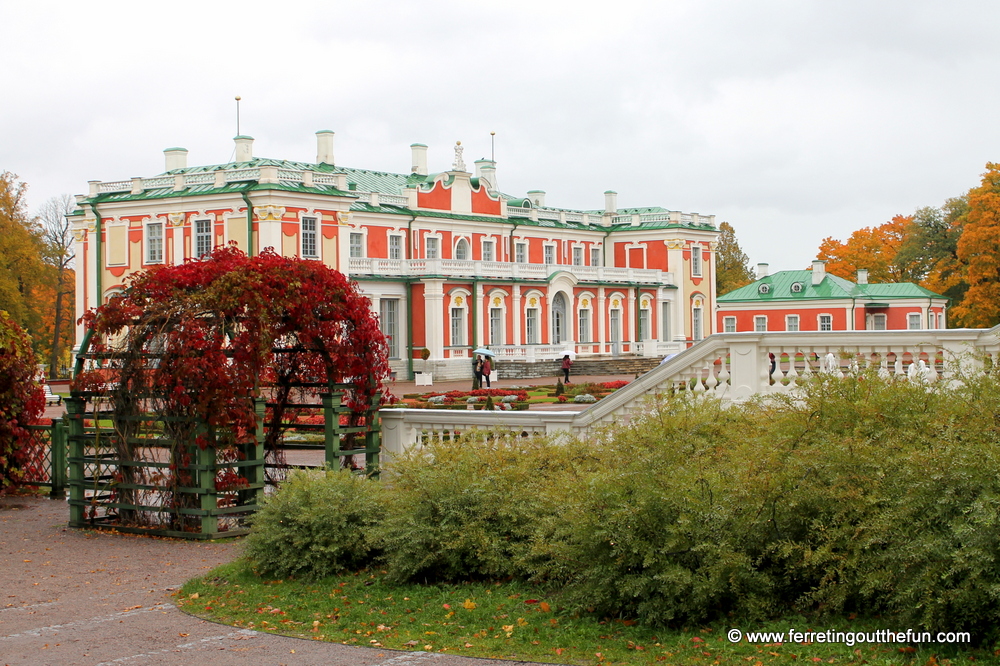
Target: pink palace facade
(449, 261)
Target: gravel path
(72, 596)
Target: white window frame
(697, 324)
(595, 256)
(314, 234)
(521, 252)
(760, 323)
(875, 321)
(488, 249)
(154, 252)
(577, 255)
(792, 323)
(583, 325)
(549, 254)
(644, 320)
(395, 246)
(729, 324)
(428, 253)
(912, 317)
(200, 236)
(458, 326)
(819, 321)
(462, 243)
(531, 332)
(665, 307)
(389, 325)
(497, 315)
(696, 261)
(356, 251)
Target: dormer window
(764, 289)
(797, 287)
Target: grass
(514, 621)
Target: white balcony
(360, 267)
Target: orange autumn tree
(979, 251)
(873, 248)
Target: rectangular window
(667, 336)
(913, 321)
(760, 323)
(154, 243)
(431, 248)
(583, 326)
(878, 322)
(357, 245)
(389, 324)
(488, 251)
(309, 237)
(930, 319)
(496, 326)
(457, 326)
(729, 324)
(521, 253)
(826, 322)
(550, 255)
(202, 237)
(940, 320)
(395, 247)
(696, 261)
(791, 322)
(578, 256)
(696, 332)
(643, 325)
(531, 326)
(595, 256)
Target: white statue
(459, 164)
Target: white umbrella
(568, 352)
(484, 351)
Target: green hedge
(860, 495)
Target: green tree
(732, 265)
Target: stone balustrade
(732, 367)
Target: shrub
(584, 397)
(22, 399)
(317, 524)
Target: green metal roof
(781, 286)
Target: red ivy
(208, 329)
(22, 399)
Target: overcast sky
(791, 119)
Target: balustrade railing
(734, 367)
(358, 266)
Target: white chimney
(244, 148)
(324, 147)
(537, 198)
(489, 172)
(819, 271)
(418, 153)
(761, 271)
(176, 158)
(862, 276)
(611, 202)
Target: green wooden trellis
(157, 485)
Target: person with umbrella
(567, 363)
(481, 367)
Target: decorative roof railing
(503, 270)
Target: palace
(449, 262)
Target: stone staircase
(598, 365)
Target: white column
(709, 315)
(484, 314)
(516, 315)
(82, 304)
(434, 316)
(630, 326)
(178, 252)
(601, 311)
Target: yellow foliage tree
(979, 251)
(873, 248)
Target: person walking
(567, 363)
(477, 372)
(487, 369)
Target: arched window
(462, 249)
(558, 319)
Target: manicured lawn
(511, 621)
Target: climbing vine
(22, 399)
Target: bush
(318, 524)
(470, 507)
(22, 399)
